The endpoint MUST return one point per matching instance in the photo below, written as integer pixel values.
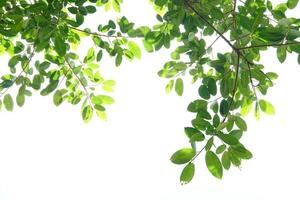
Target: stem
(235, 86)
(80, 81)
(270, 45)
(210, 25)
(197, 154)
(19, 75)
(96, 34)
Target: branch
(210, 25)
(251, 81)
(197, 154)
(19, 75)
(234, 87)
(81, 83)
(270, 45)
(96, 34)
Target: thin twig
(80, 81)
(96, 34)
(270, 45)
(234, 87)
(210, 25)
(19, 75)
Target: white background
(48, 153)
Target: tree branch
(210, 25)
(19, 75)
(234, 87)
(96, 34)
(270, 45)
(80, 81)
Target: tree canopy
(42, 37)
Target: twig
(270, 45)
(80, 81)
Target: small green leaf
(179, 86)
(266, 107)
(228, 139)
(291, 4)
(60, 46)
(221, 149)
(8, 102)
(20, 99)
(90, 56)
(213, 164)
(240, 123)
(183, 156)
(212, 86)
(87, 113)
(169, 86)
(135, 49)
(187, 173)
(226, 160)
(204, 92)
(281, 54)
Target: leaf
(266, 107)
(212, 86)
(90, 56)
(183, 156)
(8, 102)
(221, 149)
(105, 99)
(179, 86)
(20, 99)
(60, 46)
(87, 113)
(228, 139)
(291, 4)
(213, 164)
(240, 123)
(281, 54)
(169, 86)
(246, 106)
(226, 160)
(196, 105)
(204, 92)
(187, 173)
(135, 49)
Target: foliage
(230, 85)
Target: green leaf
(240, 123)
(183, 156)
(228, 139)
(213, 164)
(169, 86)
(281, 54)
(187, 173)
(20, 99)
(103, 99)
(204, 92)
(266, 107)
(212, 86)
(226, 160)
(8, 102)
(291, 4)
(60, 46)
(196, 105)
(90, 56)
(221, 149)
(135, 49)
(179, 86)
(246, 106)
(87, 113)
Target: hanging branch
(270, 45)
(80, 81)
